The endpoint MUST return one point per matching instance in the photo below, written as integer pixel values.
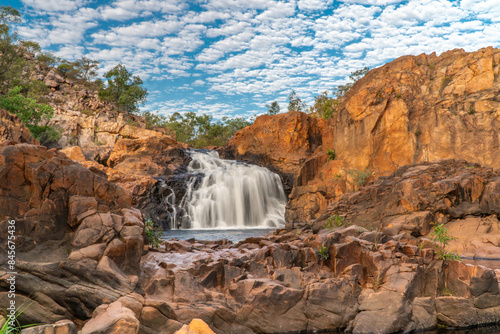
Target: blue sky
(231, 57)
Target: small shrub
(471, 111)
(331, 154)
(441, 235)
(47, 135)
(11, 324)
(398, 95)
(418, 132)
(359, 177)
(153, 234)
(377, 282)
(324, 253)
(334, 221)
(87, 112)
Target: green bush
(47, 135)
(324, 253)
(331, 154)
(441, 235)
(28, 109)
(273, 108)
(359, 177)
(334, 221)
(153, 234)
(324, 106)
(197, 130)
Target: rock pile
(345, 277)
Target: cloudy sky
(231, 57)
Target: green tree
(87, 68)
(324, 106)
(273, 108)
(124, 89)
(341, 90)
(295, 103)
(8, 50)
(197, 130)
(31, 114)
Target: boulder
(12, 128)
(196, 326)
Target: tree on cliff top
(295, 102)
(273, 108)
(124, 89)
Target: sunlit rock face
(413, 109)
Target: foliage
(47, 58)
(441, 235)
(14, 69)
(334, 221)
(273, 108)
(82, 69)
(331, 154)
(124, 89)
(47, 135)
(295, 103)
(341, 90)
(359, 177)
(324, 106)
(153, 234)
(29, 110)
(8, 51)
(12, 326)
(197, 130)
(324, 253)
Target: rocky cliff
(78, 240)
(414, 109)
(83, 119)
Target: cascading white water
(232, 194)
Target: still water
(235, 235)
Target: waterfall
(231, 194)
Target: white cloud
(54, 5)
(313, 5)
(252, 51)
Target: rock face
(414, 109)
(78, 240)
(283, 141)
(150, 168)
(350, 277)
(12, 128)
(461, 195)
(423, 108)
